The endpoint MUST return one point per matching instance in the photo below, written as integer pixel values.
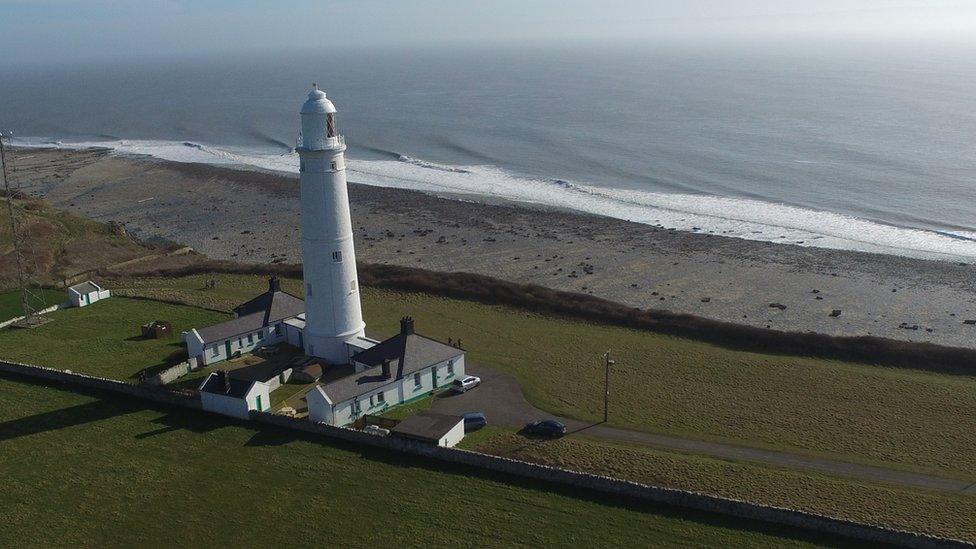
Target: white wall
(223, 404)
(453, 436)
(319, 407)
(239, 344)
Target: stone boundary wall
(50, 309)
(67, 377)
(171, 374)
(565, 477)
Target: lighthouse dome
(317, 103)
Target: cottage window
(380, 398)
(337, 256)
(277, 329)
(450, 367)
(250, 339)
(355, 406)
(215, 351)
(416, 380)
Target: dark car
(546, 428)
(474, 421)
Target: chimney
(406, 325)
(274, 285)
(386, 369)
(223, 379)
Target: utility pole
(606, 391)
(15, 236)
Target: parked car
(376, 430)
(546, 428)
(466, 384)
(474, 421)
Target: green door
(433, 374)
(227, 348)
(260, 409)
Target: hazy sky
(43, 31)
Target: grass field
(947, 515)
(10, 302)
(893, 417)
(104, 471)
(103, 339)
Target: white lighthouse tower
(333, 314)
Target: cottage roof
(428, 426)
(233, 387)
(274, 303)
(86, 287)
(407, 354)
(264, 310)
(233, 327)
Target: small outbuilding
(431, 428)
(87, 293)
(157, 329)
(222, 394)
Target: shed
(87, 293)
(431, 428)
(157, 329)
(223, 394)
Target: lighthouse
(333, 314)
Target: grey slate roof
(215, 384)
(407, 353)
(233, 327)
(85, 287)
(427, 426)
(274, 305)
(260, 312)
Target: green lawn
(11, 305)
(103, 339)
(904, 418)
(947, 515)
(85, 471)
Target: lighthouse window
(330, 125)
(337, 257)
(333, 165)
(352, 285)
(308, 290)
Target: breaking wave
(735, 217)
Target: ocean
(861, 148)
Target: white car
(466, 384)
(376, 430)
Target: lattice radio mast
(30, 315)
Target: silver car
(466, 384)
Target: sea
(864, 147)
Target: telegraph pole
(606, 391)
(18, 253)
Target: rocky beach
(253, 216)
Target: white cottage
(401, 369)
(233, 397)
(260, 322)
(87, 293)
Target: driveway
(500, 398)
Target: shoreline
(251, 216)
